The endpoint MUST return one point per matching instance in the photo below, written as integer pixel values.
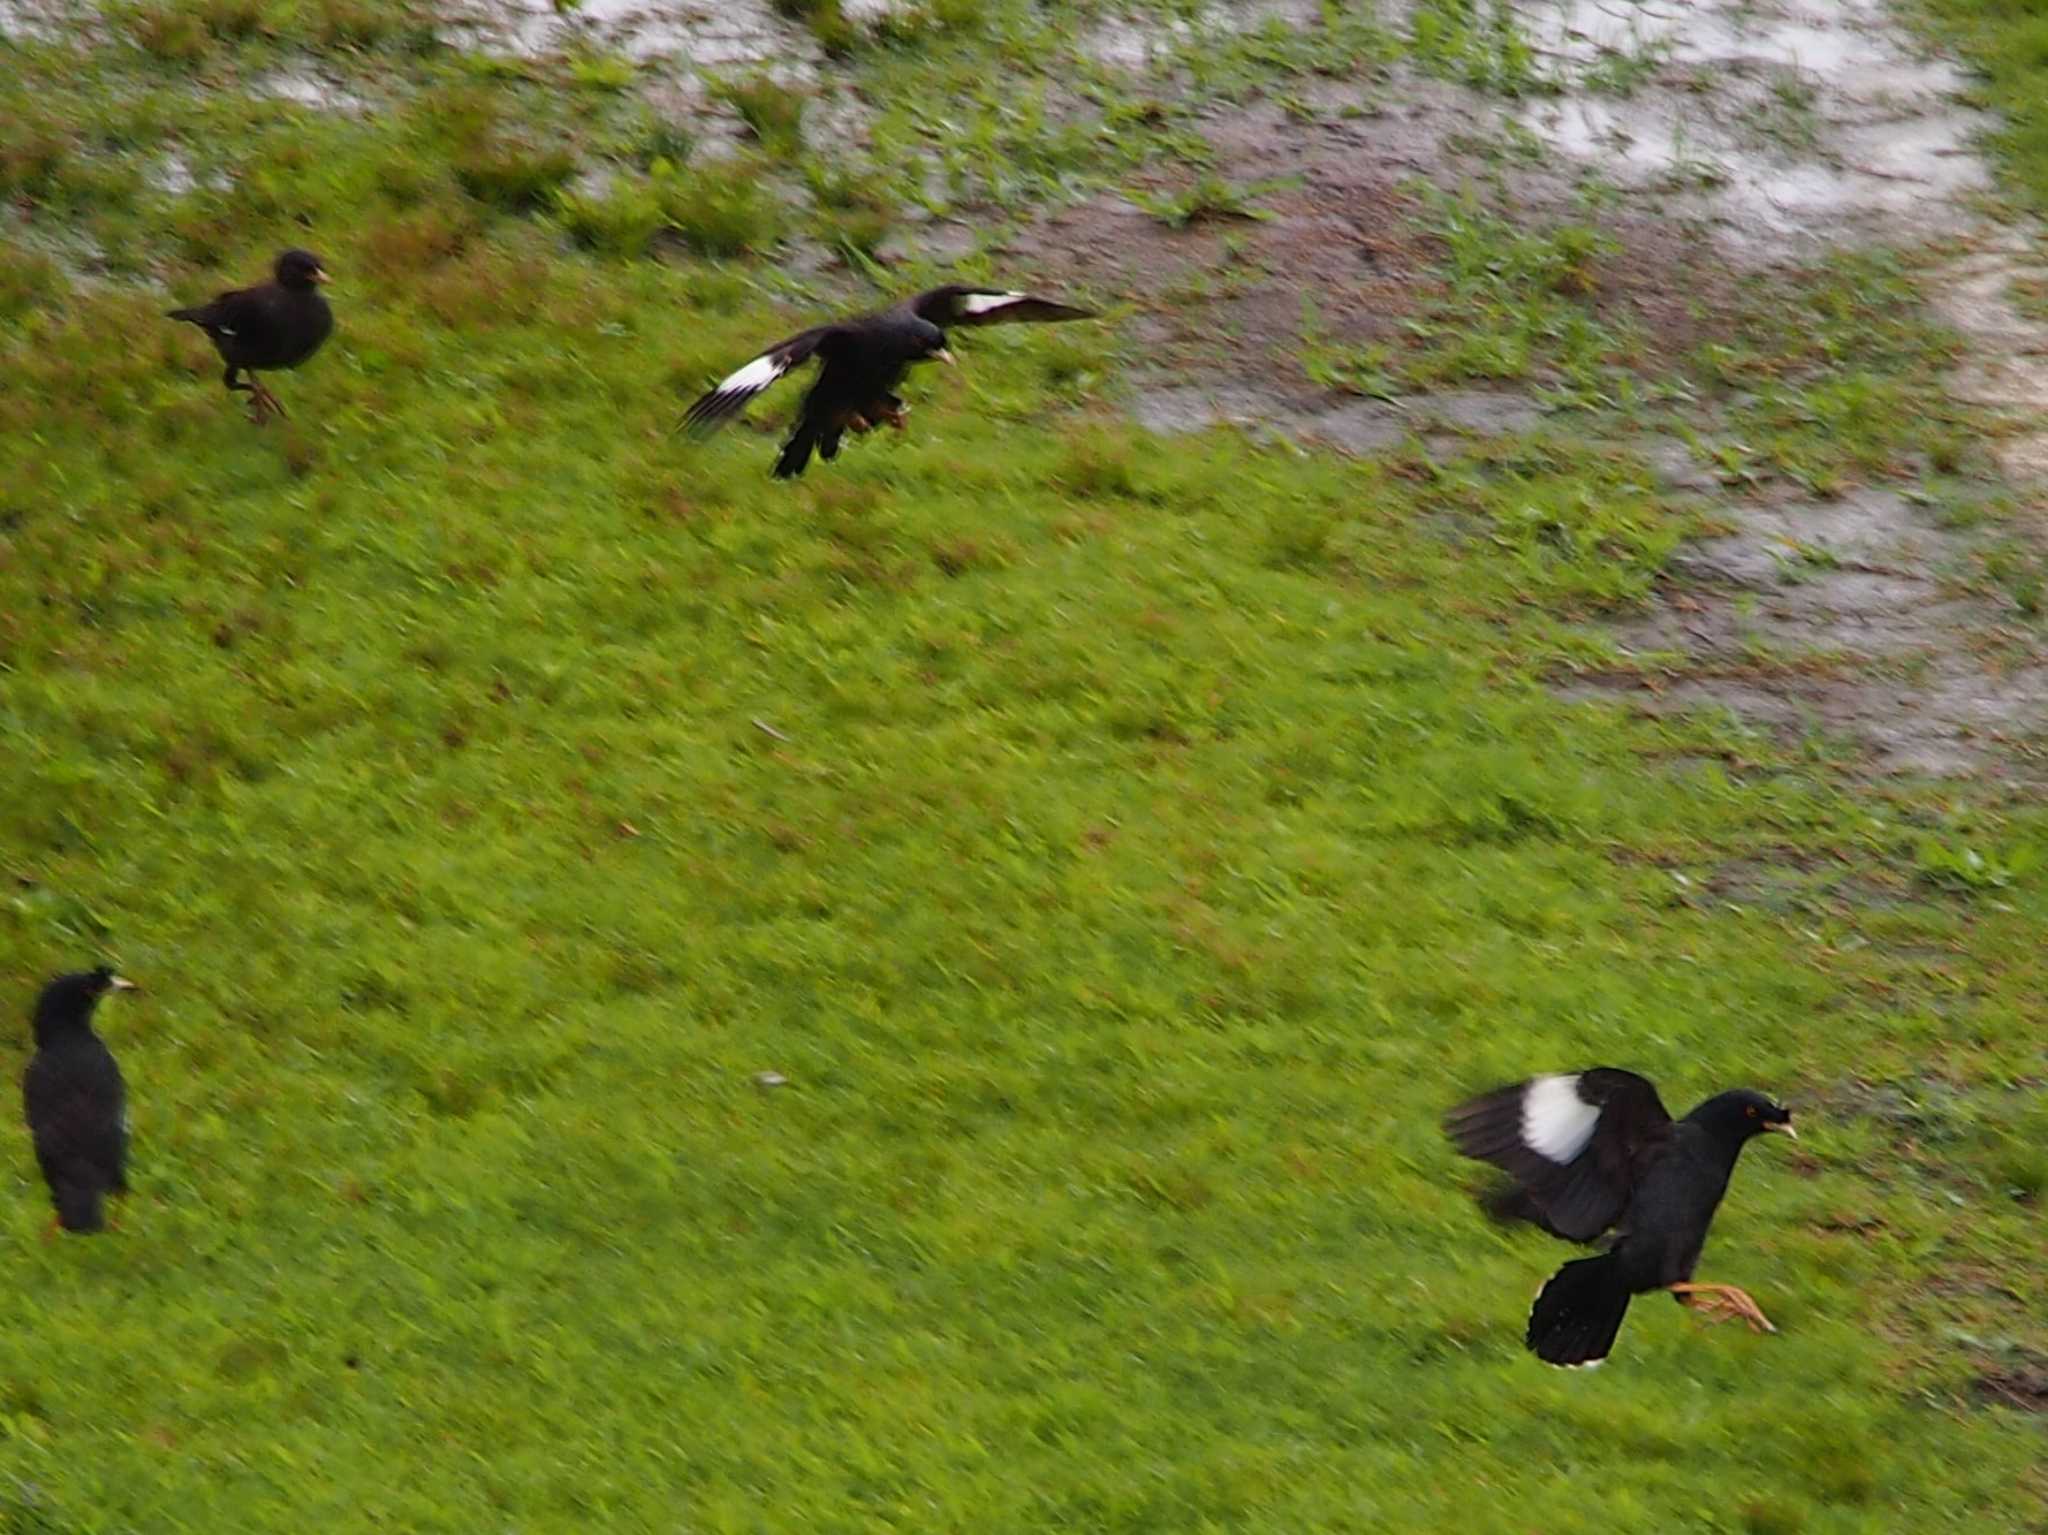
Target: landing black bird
(1595, 1152)
(861, 363)
(277, 324)
(75, 1100)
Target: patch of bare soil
(1745, 139)
(2025, 1389)
(1338, 251)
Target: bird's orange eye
(1752, 1111)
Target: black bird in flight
(861, 363)
(76, 1104)
(1597, 1151)
(277, 324)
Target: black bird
(1595, 1152)
(277, 324)
(861, 363)
(76, 1103)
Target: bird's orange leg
(263, 404)
(249, 386)
(1722, 1303)
(50, 1231)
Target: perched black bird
(1597, 1151)
(76, 1103)
(862, 362)
(277, 324)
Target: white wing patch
(754, 377)
(986, 303)
(1556, 1121)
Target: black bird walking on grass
(76, 1103)
(277, 324)
(1597, 1151)
(861, 362)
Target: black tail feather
(1579, 1311)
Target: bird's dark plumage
(278, 324)
(861, 362)
(75, 1101)
(1597, 1152)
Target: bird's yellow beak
(122, 983)
(1784, 1129)
(946, 357)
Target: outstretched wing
(955, 305)
(1575, 1143)
(730, 395)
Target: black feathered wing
(954, 305)
(1576, 1144)
(77, 1117)
(730, 395)
(240, 316)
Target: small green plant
(1624, 71)
(856, 209)
(368, 24)
(513, 176)
(2016, 570)
(1369, 370)
(925, 21)
(32, 159)
(170, 32)
(1477, 42)
(1515, 303)
(602, 71)
(657, 138)
(1800, 562)
(621, 220)
(27, 279)
(827, 20)
(234, 20)
(772, 110)
(1210, 197)
(720, 207)
(1955, 864)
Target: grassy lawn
(1124, 847)
(2006, 41)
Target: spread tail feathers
(1578, 1313)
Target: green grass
(2006, 42)
(1125, 848)
(1208, 199)
(772, 111)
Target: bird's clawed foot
(887, 411)
(1723, 1303)
(262, 404)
